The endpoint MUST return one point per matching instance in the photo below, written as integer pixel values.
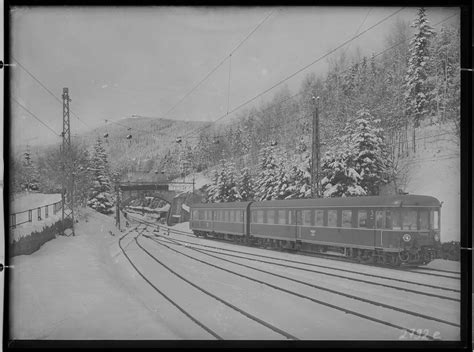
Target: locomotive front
(418, 231)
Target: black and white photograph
(266, 173)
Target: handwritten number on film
(418, 334)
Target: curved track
(168, 243)
(206, 292)
(319, 266)
(418, 270)
(319, 287)
(208, 330)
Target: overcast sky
(119, 62)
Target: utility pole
(67, 196)
(28, 167)
(117, 205)
(315, 192)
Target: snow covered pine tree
(360, 163)
(101, 198)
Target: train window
(291, 217)
(435, 219)
(347, 218)
(409, 219)
(260, 216)
(195, 215)
(388, 219)
(396, 222)
(306, 217)
(362, 218)
(270, 216)
(332, 218)
(379, 219)
(319, 217)
(424, 220)
(281, 216)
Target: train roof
(362, 201)
(232, 205)
(409, 200)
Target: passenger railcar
(387, 229)
(222, 220)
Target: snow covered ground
(83, 287)
(80, 288)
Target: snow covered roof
(232, 205)
(365, 201)
(409, 200)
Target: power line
(46, 88)
(218, 65)
(358, 29)
(34, 116)
(136, 129)
(228, 85)
(317, 60)
(303, 68)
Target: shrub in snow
(29, 244)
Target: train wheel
(395, 260)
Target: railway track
(206, 292)
(167, 243)
(223, 251)
(319, 287)
(182, 310)
(187, 234)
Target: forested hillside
(378, 106)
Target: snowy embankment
(81, 288)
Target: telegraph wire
(46, 89)
(218, 65)
(315, 61)
(35, 117)
(358, 29)
(228, 85)
(303, 92)
(304, 68)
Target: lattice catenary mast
(67, 196)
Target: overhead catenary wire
(304, 67)
(303, 92)
(218, 65)
(228, 84)
(47, 89)
(35, 117)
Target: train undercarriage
(412, 256)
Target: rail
(26, 216)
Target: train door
(378, 228)
(371, 225)
(298, 222)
